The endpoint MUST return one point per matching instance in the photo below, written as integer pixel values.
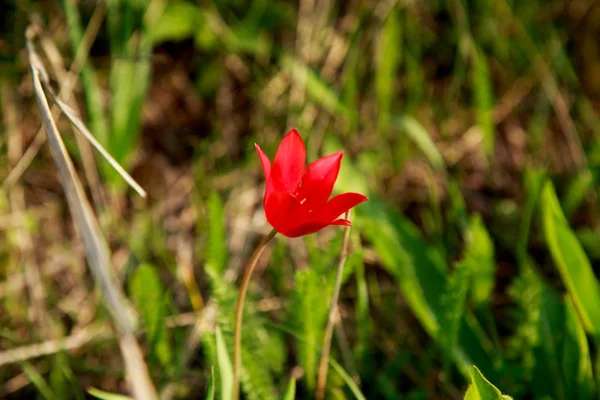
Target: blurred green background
(473, 127)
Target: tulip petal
(312, 227)
(288, 164)
(264, 160)
(342, 222)
(305, 229)
(318, 180)
(345, 202)
(337, 206)
(283, 211)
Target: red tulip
(296, 199)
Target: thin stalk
(239, 309)
(324, 362)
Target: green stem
(239, 311)
(324, 362)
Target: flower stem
(239, 311)
(324, 361)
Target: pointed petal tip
(293, 136)
(265, 162)
(289, 161)
(294, 132)
(342, 222)
(338, 154)
(360, 198)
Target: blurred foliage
(472, 126)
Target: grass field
(472, 126)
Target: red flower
(296, 197)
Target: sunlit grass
(472, 127)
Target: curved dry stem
(324, 362)
(239, 311)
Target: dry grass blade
(75, 120)
(99, 332)
(66, 91)
(333, 308)
(88, 162)
(95, 245)
(75, 341)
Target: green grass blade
(149, 296)
(310, 314)
(210, 391)
(316, 88)
(482, 389)
(534, 183)
(225, 368)
(387, 60)
(483, 97)
(102, 395)
(453, 308)
(91, 87)
(351, 384)
(177, 22)
(216, 248)
(129, 75)
(480, 260)
(419, 135)
(571, 262)
(290, 392)
(38, 381)
(576, 361)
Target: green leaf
(149, 296)
(572, 263)
(316, 88)
(225, 368)
(547, 375)
(422, 139)
(129, 76)
(216, 251)
(351, 384)
(38, 381)
(387, 61)
(484, 103)
(554, 348)
(179, 21)
(576, 362)
(290, 392)
(59, 382)
(364, 323)
(480, 260)
(350, 178)
(577, 191)
(453, 303)
(310, 315)
(102, 395)
(482, 389)
(263, 351)
(89, 79)
(210, 391)
(534, 183)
